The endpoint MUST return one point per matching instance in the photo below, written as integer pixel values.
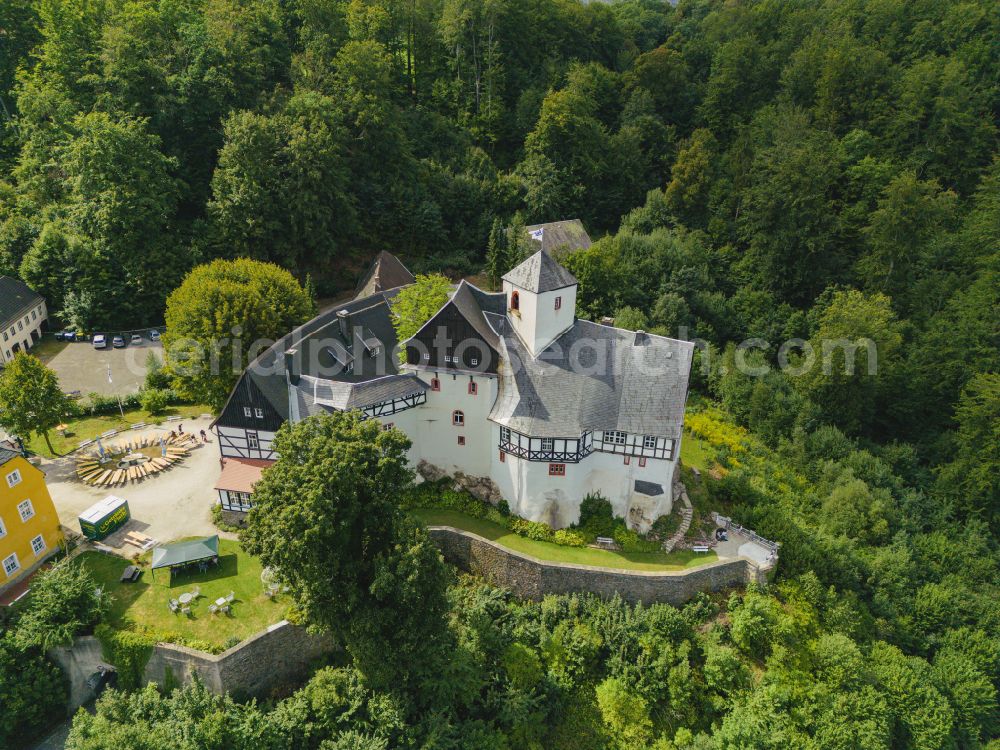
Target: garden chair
(196, 592)
(174, 605)
(186, 611)
(230, 596)
(225, 609)
(212, 609)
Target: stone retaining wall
(280, 654)
(531, 578)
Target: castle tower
(541, 300)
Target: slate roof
(7, 455)
(316, 394)
(385, 273)
(540, 273)
(469, 305)
(591, 378)
(15, 297)
(568, 234)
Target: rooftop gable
(540, 273)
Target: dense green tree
(64, 602)
(32, 690)
(855, 346)
(224, 315)
(280, 189)
(325, 518)
(415, 304)
(30, 398)
(971, 479)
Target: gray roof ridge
(645, 333)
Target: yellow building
(29, 524)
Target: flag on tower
(537, 234)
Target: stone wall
(278, 655)
(531, 578)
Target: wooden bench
(605, 541)
(700, 548)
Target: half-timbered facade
(505, 386)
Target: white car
(100, 341)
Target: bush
(32, 693)
(154, 400)
(128, 652)
(62, 604)
(221, 523)
(596, 517)
(569, 538)
(157, 376)
(540, 532)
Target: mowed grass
(88, 428)
(696, 453)
(144, 605)
(677, 560)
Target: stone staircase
(686, 513)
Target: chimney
(292, 366)
(343, 317)
(640, 338)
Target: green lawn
(678, 560)
(87, 428)
(144, 603)
(696, 452)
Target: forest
(764, 170)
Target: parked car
(154, 335)
(66, 335)
(119, 342)
(136, 338)
(100, 341)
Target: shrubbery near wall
(596, 518)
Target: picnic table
(185, 598)
(131, 574)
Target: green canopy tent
(182, 553)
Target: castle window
(387, 426)
(648, 441)
(473, 388)
(461, 439)
(557, 470)
(614, 437)
(558, 302)
(628, 460)
(448, 358)
(259, 413)
(548, 444)
(505, 434)
(642, 461)
(252, 441)
(458, 418)
(435, 384)
(503, 457)
(515, 301)
(246, 411)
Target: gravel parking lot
(83, 368)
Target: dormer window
(515, 302)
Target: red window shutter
(435, 384)
(503, 457)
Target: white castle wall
(429, 426)
(533, 494)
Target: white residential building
(509, 390)
(22, 315)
